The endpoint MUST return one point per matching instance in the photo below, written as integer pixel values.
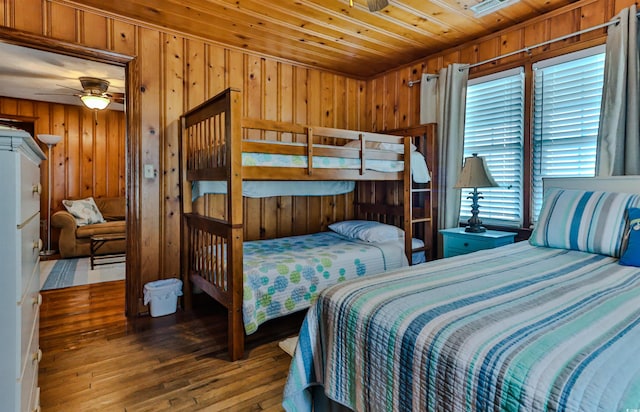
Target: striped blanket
(514, 328)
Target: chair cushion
(112, 208)
(85, 232)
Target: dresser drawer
(28, 381)
(30, 189)
(30, 250)
(29, 313)
(466, 246)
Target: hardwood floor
(95, 359)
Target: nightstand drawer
(458, 242)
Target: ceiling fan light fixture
(95, 102)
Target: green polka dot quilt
(285, 275)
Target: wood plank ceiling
(328, 34)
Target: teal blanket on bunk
(517, 328)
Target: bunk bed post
(408, 201)
(185, 207)
(233, 136)
(431, 139)
(309, 150)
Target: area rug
(63, 273)
(289, 345)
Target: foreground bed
(522, 327)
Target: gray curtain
(618, 150)
(452, 93)
(428, 98)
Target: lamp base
(48, 252)
(475, 224)
(475, 229)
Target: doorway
(65, 50)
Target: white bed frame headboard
(622, 184)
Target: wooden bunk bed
(214, 137)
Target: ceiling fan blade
(54, 94)
(377, 5)
(38, 76)
(115, 97)
(70, 88)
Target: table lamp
(475, 174)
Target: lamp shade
(95, 102)
(475, 174)
(51, 139)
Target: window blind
(567, 99)
(494, 125)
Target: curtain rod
(410, 83)
(544, 43)
(528, 49)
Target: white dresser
(20, 298)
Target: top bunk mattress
(419, 171)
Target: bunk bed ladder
(420, 198)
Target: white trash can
(162, 296)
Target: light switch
(149, 173)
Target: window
(567, 93)
(494, 129)
(567, 97)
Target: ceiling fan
(94, 93)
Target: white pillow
(394, 147)
(84, 210)
(368, 231)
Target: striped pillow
(591, 222)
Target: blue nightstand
(458, 242)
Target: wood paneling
(88, 161)
(173, 73)
(384, 114)
(280, 216)
(327, 34)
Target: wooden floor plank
(96, 359)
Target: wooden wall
(393, 104)
(88, 161)
(175, 73)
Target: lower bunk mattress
(285, 275)
(516, 328)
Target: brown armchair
(74, 240)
